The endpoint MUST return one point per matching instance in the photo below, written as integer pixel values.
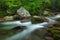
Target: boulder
(49, 38)
(24, 15)
(8, 18)
(23, 12)
(45, 12)
(1, 19)
(38, 19)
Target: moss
(38, 20)
(58, 19)
(47, 14)
(55, 33)
(57, 25)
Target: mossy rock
(6, 33)
(47, 14)
(58, 19)
(55, 33)
(57, 25)
(38, 19)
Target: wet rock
(55, 31)
(56, 25)
(40, 32)
(16, 17)
(50, 26)
(50, 13)
(26, 20)
(57, 28)
(5, 33)
(45, 12)
(38, 19)
(49, 38)
(19, 28)
(8, 18)
(58, 19)
(1, 19)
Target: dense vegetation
(12, 5)
(33, 6)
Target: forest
(37, 11)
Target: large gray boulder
(23, 12)
(24, 15)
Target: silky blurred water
(27, 31)
(30, 27)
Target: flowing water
(30, 28)
(11, 24)
(26, 32)
(55, 17)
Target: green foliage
(48, 1)
(53, 5)
(33, 6)
(13, 3)
(3, 8)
